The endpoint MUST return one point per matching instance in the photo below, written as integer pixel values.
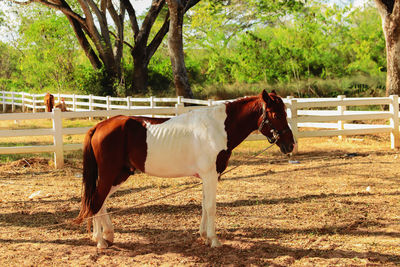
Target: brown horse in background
(49, 102)
(61, 105)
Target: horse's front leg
(203, 223)
(210, 181)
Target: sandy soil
(339, 206)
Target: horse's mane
(253, 101)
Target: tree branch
(132, 17)
(66, 11)
(382, 8)
(125, 42)
(157, 40)
(396, 11)
(190, 4)
(102, 22)
(148, 22)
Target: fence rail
(311, 117)
(35, 102)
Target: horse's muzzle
(286, 148)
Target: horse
(61, 105)
(198, 143)
(49, 102)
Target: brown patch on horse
(238, 126)
(100, 149)
(49, 102)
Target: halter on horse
(198, 143)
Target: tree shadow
(323, 166)
(187, 244)
(33, 219)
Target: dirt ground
(339, 205)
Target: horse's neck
(241, 120)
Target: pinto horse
(198, 143)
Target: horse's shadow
(278, 158)
(260, 245)
(39, 219)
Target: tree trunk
(175, 44)
(390, 14)
(393, 66)
(140, 74)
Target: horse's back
(186, 144)
(122, 140)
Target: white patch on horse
(187, 144)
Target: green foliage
(351, 86)
(90, 81)
(9, 72)
(319, 42)
(48, 62)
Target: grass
(352, 86)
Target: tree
(103, 40)
(390, 15)
(49, 50)
(177, 10)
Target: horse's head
(273, 123)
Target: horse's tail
(90, 176)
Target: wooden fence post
(12, 102)
(394, 122)
(293, 122)
(179, 106)
(4, 102)
(341, 110)
(128, 102)
(90, 104)
(23, 102)
(58, 139)
(73, 102)
(34, 103)
(210, 102)
(108, 104)
(152, 105)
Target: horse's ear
(266, 97)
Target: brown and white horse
(198, 143)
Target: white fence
(35, 102)
(310, 117)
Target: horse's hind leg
(103, 230)
(108, 228)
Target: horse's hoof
(102, 244)
(203, 234)
(109, 237)
(215, 243)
